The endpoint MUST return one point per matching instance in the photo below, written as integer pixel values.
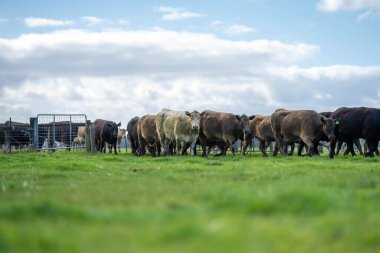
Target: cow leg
(114, 148)
(332, 149)
(371, 147)
(141, 147)
(223, 150)
(232, 148)
(309, 143)
(185, 146)
(339, 147)
(300, 148)
(292, 145)
(193, 147)
(103, 147)
(247, 140)
(316, 145)
(358, 146)
(285, 147)
(179, 145)
(262, 148)
(275, 151)
(167, 147)
(350, 147)
(133, 148)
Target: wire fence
(59, 131)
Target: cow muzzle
(195, 128)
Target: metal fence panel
(60, 131)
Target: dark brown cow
(132, 135)
(261, 129)
(106, 131)
(307, 126)
(276, 122)
(147, 135)
(222, 129)
(357, 122)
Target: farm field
(81, 202)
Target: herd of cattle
(174, 132)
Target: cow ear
(251, 117)
(188, 114)
(323, 119)
(119, 124)
(237, 117)
(337, 122)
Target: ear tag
(337, 122)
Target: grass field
(80, 202)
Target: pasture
(81, 202)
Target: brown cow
(105, 131)
(276, 121)
(222, 129)
(307, 126)
(147, 135)
(261, 129)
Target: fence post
(7, 137)
(90, 142)
(126, 144)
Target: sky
(115, 59)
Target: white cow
(179, 127)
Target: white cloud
(337, 72)
(337, 5)
(123, 22)
(172, 14)
(216, 23)
(239, 29)
(119, 74)
(92, 21)
(40, 22)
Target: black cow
(133, 136)
(19, 133)
(106, 131)
(357, 122)
(340, 142)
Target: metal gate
(60, 131)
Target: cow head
(328, 127)
(195, 120)
(113, 128)
(122, 132)
(244, 122)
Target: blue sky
(247, 56)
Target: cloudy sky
(115, 59)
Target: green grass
(79, 202)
